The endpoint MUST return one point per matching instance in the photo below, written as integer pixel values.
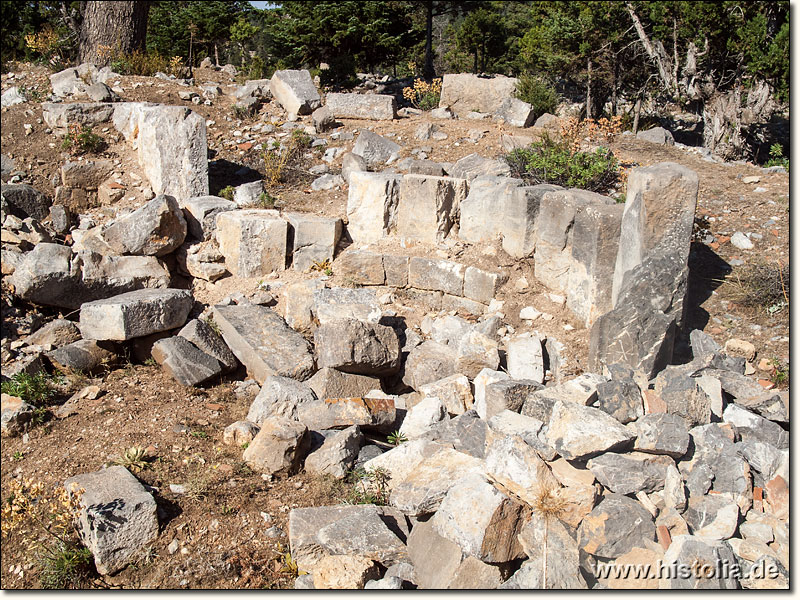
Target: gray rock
(509, 394)
(203, 336)
(474, 165)
(712, 517)
(323, 119)
(428, 207)
(6, 166)
(465, 92)
(11, 97)
(253, 241)
(68, 83)
(434, 557)
(15, 415)
(484, 210)
(279, 396)
(661, 433)
(135, 314)
(362, 106)
(333, 304)
(630, 473)
(750, 395)
(548, 538)
(421, 417)
(24, 200)
(614, 526)
(415, 166)
(357, 347)
(436, 275)
(375, 149)
(657, 135)
(117, 517)
(60, 219)
(155, 229)
(548, 121)
(370, 414)
(763, 458)
(529, 429)
(295, 91)
(58, 116)
(279, 448)
(516, 113)
(332, 383)
(465, 433)
(620, 399)
(525, 357)
(313, 239)
(337, 454)
(388, 582)
(578, 432)
(372, 201)
(363, 530)
(201, 214)
(732, 478)
(263, 342)
(751, 426)
(683, 394)
(517, 467)
(687, 552)
(100, 92)
(56, 333)
(454, 392)
(703, 345)
(87, 174)
(83, 356)
(352, 163)
(184, 362)
(427, 363)
(240, 433)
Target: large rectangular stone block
(483, 210)
(372, 205)
(520, 218)
(595, 240)
(312, 239)
(378, 107)
(201, 214)
(429, 207)
(482, 285)
(252, 241)
(437, 275)
(295, 91)
(465, 92)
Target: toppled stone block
(279, 396)
(343, 572)
(24, 200)
(201, 214)
(253, 241)
(84, 356)
(428, 207)
(372, 201)
(578, 432)
(377, 414)
(375, 149)
(15, 415)
(263, 342)
(615, 526)
(203, 336)
(657, 135)
(332, 383)
(56, 333)
(135, 314)
(464, 92)
(454, 392)
(362, 106)
(475, 165)
(337, 454)
(516, 113)
(184, 362)
(632, 472)
(362, 267)
(480, 285)
(295, 91)
(155, 229)
(525, 358)
(429, 362)
(357, 347)
(279, 448)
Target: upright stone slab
(464, 92)
(313, 239)
(520, 217)
(483, 211)
(555, 234)
(428, 207)
(252, 241)
(372, 205)
(201, 214)
(659, 216)
(135, 314)
(263, 342)
(595, 240)
(377, 107)
(295, 91)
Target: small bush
(64, 565)
(776, 157)
(424, 95)
(760, 285)
(33, 389)
(144, 64)
(133, 459)
(550, 161)
(278, 160)
(368, 487)
(82, 140)
(538, 93)
(227, 193)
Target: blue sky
(261, 5)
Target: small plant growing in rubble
(81, 140)
(134, 459)
(424, 95)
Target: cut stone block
(361, 267)
(428, 207)
(480, 285)
(135, 314)
(155, 229)
(525, 358)
(378, 107)
(201, 214)
(332, 383)
(357, 347)
(83, 356)
(253, 241)
(333, 304)
(295, 91)
(202, 335)
(313, 239)
(184, 362)
(372, 201)
(436, 275)
(376, 414)
(279, 448)
(483, 211)
(375, 149)
(464, 92)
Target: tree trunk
(216, 54)
(428, 71)
(637, 110)
(656, 51)
(614, 85)
(120, 26)
(589, 88)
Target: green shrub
(227, 193)
(776, 157)
(33, 389)
(82, 140)
(538, 93)
(64, 565)
(550, 161)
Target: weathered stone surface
(518, 468)
(334, 304)
(332, 383)
(640, 331)
(299, 303)
(240, 432)
(436, 275)
(480, 285)
(595, 240)
(422, 489)
(475, 353)
(57, 116)
(362, 106)
(117, 517)
(577, 431)
(429, 362)
(362, 530)
(519, 218)
(56, 333)
(135, 314)
(323, 119)
(435, 558)
(375, 149)
(752, 426)
(156, 229)
(11, 97)
(525, 357)
(279, 396)
(428, 207)
(483, 211)
(700, 560)
(84, 356)
(201, 214)
(417, 166)
(554, 560)
(529, 429)
(203, 336)
(765, 459)
(516, 113)
(657, 135)
(661, 434)
(580, 390)
(352, 163)
(333, 413)
(475, 165)
(454, 392)
(466, 433)
(422, 416)
(509, 394)
(337, 454)
(616, 525)
(87, 174)
(253, 241)
(659, 216)
(184, 362)
(387, 582)
(295, 91)
(712, 517)
(201, 260)
(483, 521)
(15, 415)
(355, 346)
(68, 83)
(630, 473)
(343, 572)
(684, 395)
(361, 267)
(620, 399)
(263, 342)
(313, 239)
(464, 92)
(372, 200)
(280, 447)
(750, 395)
(400, 461)
(24, 200)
